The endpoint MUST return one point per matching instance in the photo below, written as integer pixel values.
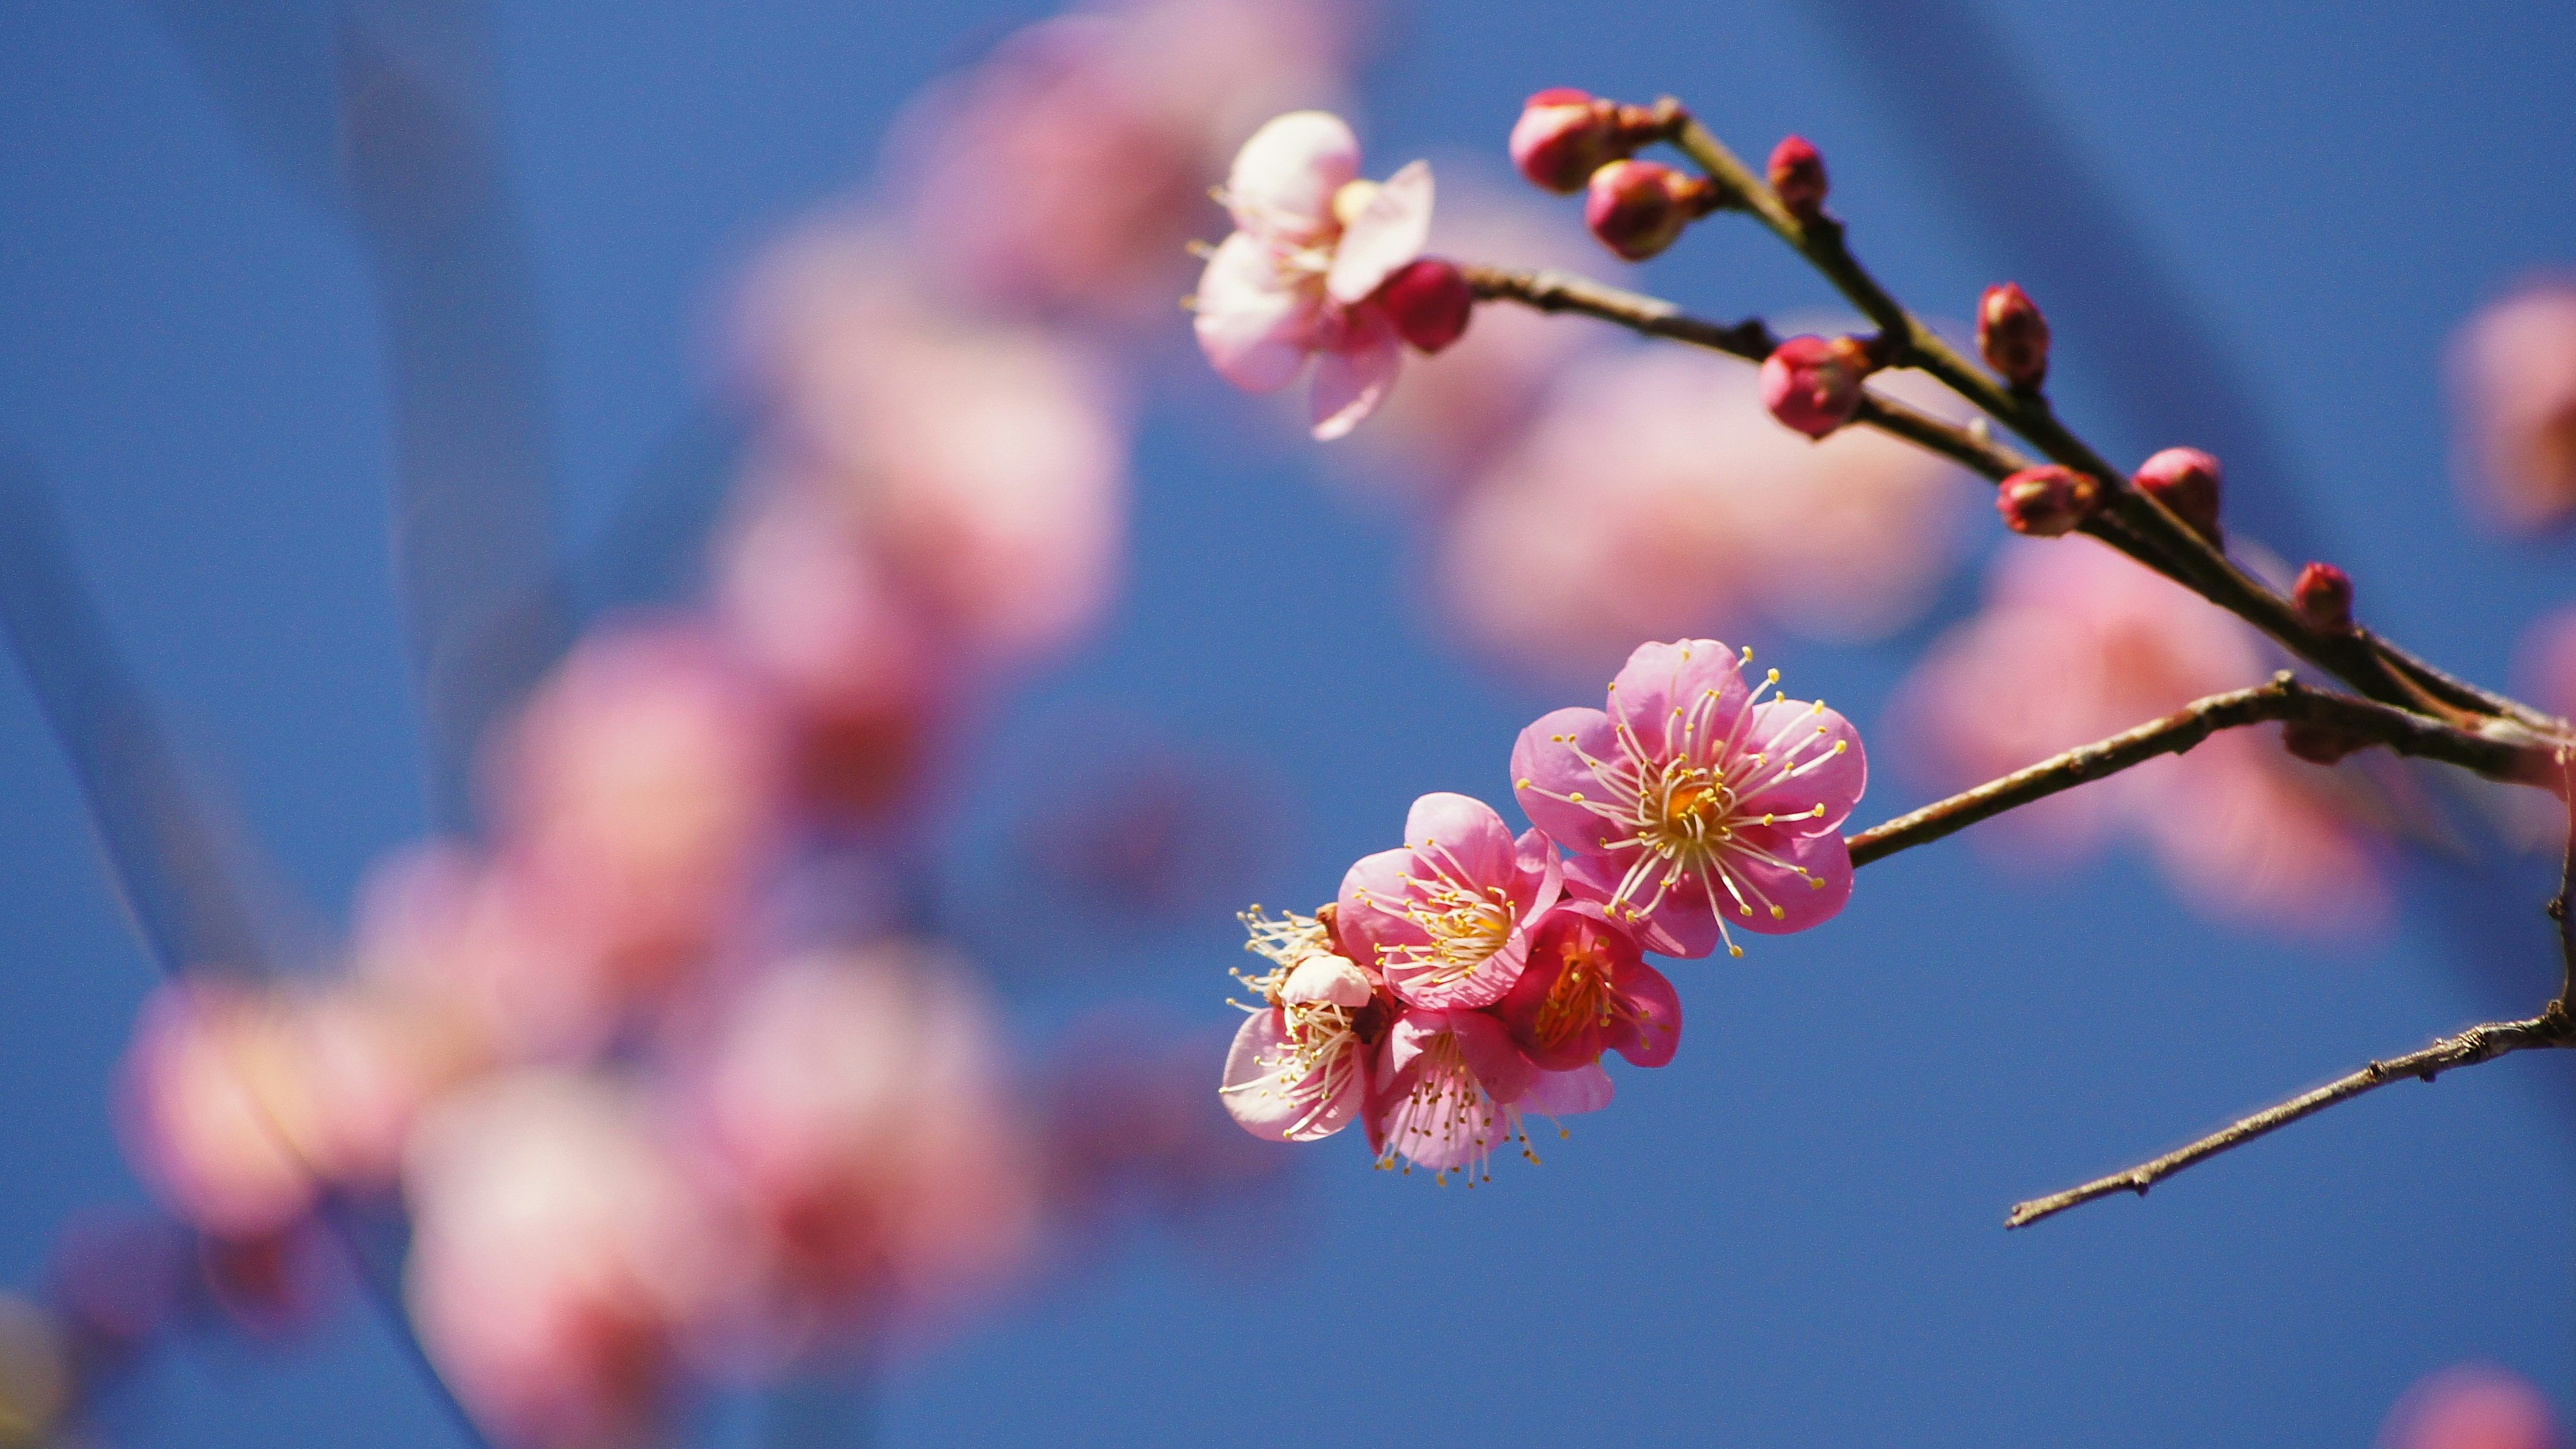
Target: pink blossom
(1796, 172)
(1694, 802)
(558, 1258)
(1651, 497)
(2077, 643)
(1588, 990)
(481, 958)
(212, 1091)
(1445, 916)
(1065, 171)
(2471, 1407)
(2513, 400)
(1455, 1089)
(1813, 384)
(854, 1106)
(1300, 1065)
(1639, 208)
(1312, 243)
(982, 465)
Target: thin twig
(2565, 1005)
(2477, 1044)
(2284, 698)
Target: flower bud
(1429, 302)
(1812, 384)
(2012, 335)
(2047, 502)
(2319, 744)
(2324, 596)
(2186, 481)
(1798, 175)
(1638, 208)
(1564, 135)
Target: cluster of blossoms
(1469, 977)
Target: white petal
(1255, 320)
(1354, 377)
(1284, 178)
(1388, 233)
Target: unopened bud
(2324, 595)
(2047, 502)
(1564, 135)
(2012, 335)
(2186, 481)
(1798, 175)
(1638, 208)
(1812, 384)
(2319, 744)
(1429, 302)
(1323, 977)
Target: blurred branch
(2552, 1029)
(2365, 722)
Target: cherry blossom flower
(1445, 916)
(1312, 243)
(1588, 990)
(211, 1082)
(559, 1257)
(2513, 400)
(2471, 1407)
(1694, 803)
(1300, 1065)
(1455, 1089)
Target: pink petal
(1657, 1033)
(1283, 179)
(1562, 1094)
(1464, 836)
(1353, 377)
(1374, 893)
(1257, 1093)
(1662, 694)
(1490, 1054)
(1804, 901)
(1328, 979)
(1547, 763)
(1254, 322)
(1681, 925)
(1801, 737)
(1539, 874)
(1388, 233)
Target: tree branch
(2477, 1044)
(2284, 698)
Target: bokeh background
(2253, 226)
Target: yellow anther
(1734, 950)
(1778, 914)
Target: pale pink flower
(559, 1257)
(2513, 400)
(1695, 804)
(1455, 1088)
(481, 957)
(854, 1104)
(1300, 1065)
(1066, 170)
(1652, 497)
(2471, 1407)
(641, 791)
(212, 1085)
(2077, 643)
(1312, 243)
(1588, 990)
(983, 464)
(1445, 917)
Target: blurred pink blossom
(214, 1093)
(982, 465)
(1652, 497)
(559, 1257)
(479, 961)
(855, 1105)
(2471, 1407)
(2513, 401)
(2545, 661)
(2077, 643)
(1066, 171)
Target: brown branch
(2284, 698)
(2477, 1044)
(2565, 1005)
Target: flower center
(1582, 996)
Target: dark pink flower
(1444, 917)
(1694, 802)
(1797, 174)
(1588, 990)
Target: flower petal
(1375, 893)
(1562, 1094)
(1681, 699)
(1490, 1054)
(1539, 876)
(1654, 1033)
(1282, 183)
(1388, 233)
(1815, 758)
(1254, 322)
(1354, 375)
(1548, 768)
(1462, 837)
(1260, 1095)
(1326, 978)
(1804, 901)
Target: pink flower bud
(2186, 481)
(2047, 502)
(1429, 302)
(1813, 383)
(1638, 208)
(1798, 175)
(2012, 335)
(1563, 136)
(2324, 595)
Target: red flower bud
(2324, 595)
(2012, 335)
(1429, 302)
(1563, 136)
(1812, 384)
(1638, 208)
(2318, 744)
(2186, 481)
(2047, 502)
(1798, 175)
